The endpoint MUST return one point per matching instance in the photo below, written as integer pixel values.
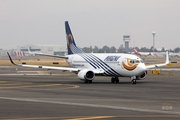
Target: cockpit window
(135, 61)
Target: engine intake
(86, 75)
(142, 76)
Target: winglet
(159, 65)
(167, 58)
(11, 59)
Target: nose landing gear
(133, 79)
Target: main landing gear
(87, 81)
(133, 79)
(114, 80)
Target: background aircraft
(174, 54)
(143, 53)
(19, 54)
(33, 53)
(88, 65)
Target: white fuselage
(113, 64)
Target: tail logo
(70, 37)
(128, 65)
(70, 40)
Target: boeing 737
(89, 65)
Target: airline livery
(89, 65)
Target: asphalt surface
(57, 97)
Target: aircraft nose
(142, 67)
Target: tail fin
(29, 51)
(136, 52)
(71, 45)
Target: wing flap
(57, 56)
(51, 67)
(44, 67)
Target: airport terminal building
(45, 49)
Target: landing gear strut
(114, 80)
(133, 79)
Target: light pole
(153, 33)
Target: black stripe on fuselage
(94, 61)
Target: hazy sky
(93, 22)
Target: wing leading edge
(44, 67)
(159, 65)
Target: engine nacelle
(142, 76)
(86, 74)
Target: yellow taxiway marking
(125, 116)
(38, 118)
(2, 81)
(96, 117)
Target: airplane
(34, 53)
(31, 53)
(143, 53)
(174, 54)
(19, 54)
(89, 65)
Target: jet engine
(142, 76)
(86, 74)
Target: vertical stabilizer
(71, 45)
(136, 52)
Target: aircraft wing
(159, 65)
(57, 56)
(71, 69)
(45, 67)
(168, 69)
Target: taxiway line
(91, 105)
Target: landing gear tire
(90, 81)
(87, 81)
(114, 80)
(133, 81)
(117, 81)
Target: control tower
(126, 39)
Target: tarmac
(62, 96)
